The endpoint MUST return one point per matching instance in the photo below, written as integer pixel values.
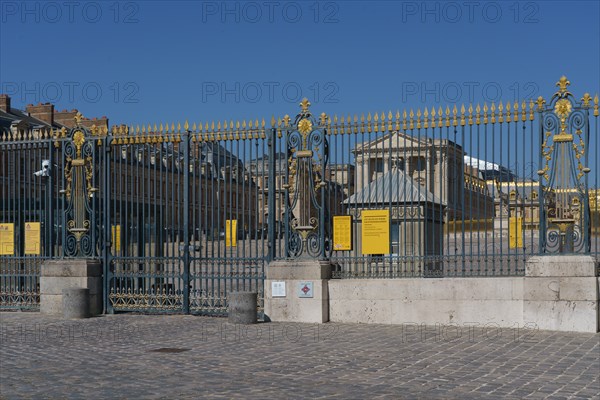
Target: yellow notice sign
(7, 239)
(116, 237)
(376, 232)
(342, 232)
(231, 233)
(515, 232)
(33, 238)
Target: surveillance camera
(45, 171)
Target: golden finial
(397, 121)
(349, 121)
(470, 115)
(186, 125)
(323, 118)
(433, 125)
(425, 118)
(286, 121)
(179, 127)
(523, 111)
(172, 127)
(369, 123)
(562, 84)
(419, 118)
(500, 113)
(531, 105)
(390, 127)
(212, 126)
(596, 105)
(540, 103)
(586, 100)
(376, 123)
(273, 121)
(493, 112)
(78, 117)
(304, 105)
(454, 114)
(477, 114)
(440, 117)
(404, 116)
(411, 121)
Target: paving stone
(114, 356)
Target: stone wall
(558, 293)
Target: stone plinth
(57, 275)
(242, 307)
(76, 303)
(561, 293)
(298, 305)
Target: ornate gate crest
(307, 159)
(564, 134)
(79, 238)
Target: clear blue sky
(158, 61)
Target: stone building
(437, 165)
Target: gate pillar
(57, 275)
(297, 291)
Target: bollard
(242, 307)
(76, 303)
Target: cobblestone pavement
(172, 357)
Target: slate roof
(394, 187)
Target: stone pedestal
(76, 303)
(242, 307)
(57, 275)
(305, 294)
(560, 293)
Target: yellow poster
(7, 239)
(33, 238)
(515, 232)
(376, 232)
(342, 232)
(231, 233)
(116, 237)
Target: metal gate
(181, 215)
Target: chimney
(5, 103)
(66, 118)
(44, 112)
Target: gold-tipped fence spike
(179, 127)
(212, 126)
(419, 118)
(172, 127)
(273, 121)
(477, 114)
(262, 124)
(531, 107)
(523, 111)
(186, 125)
(516, 111)
(596, 105)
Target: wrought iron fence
(181, 215)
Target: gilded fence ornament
(565, 222)
(78, 191)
